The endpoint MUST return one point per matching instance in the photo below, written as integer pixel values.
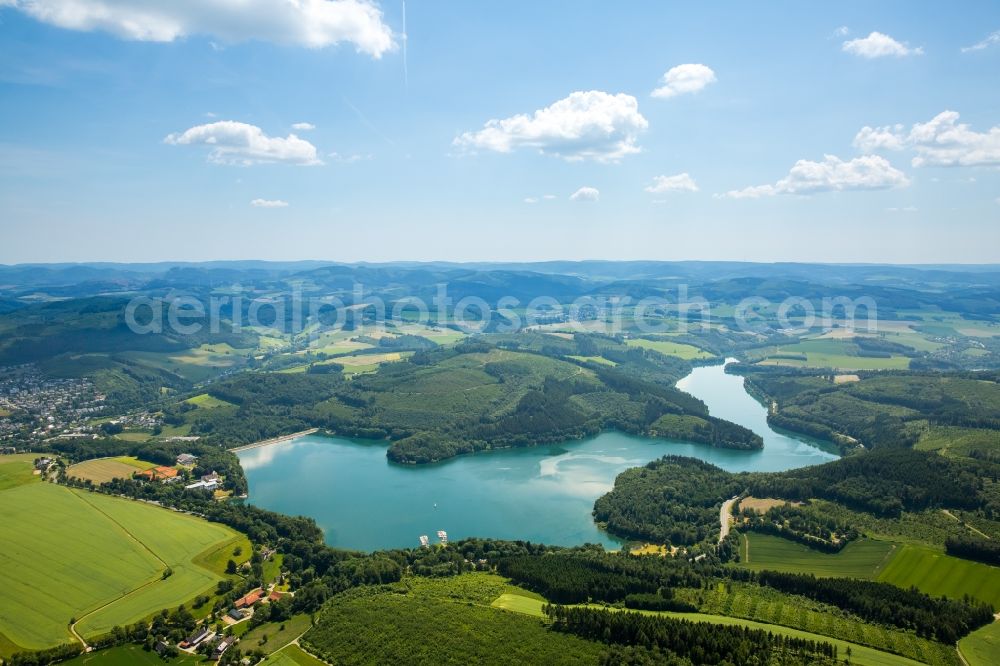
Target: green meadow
(670, 348)
(860, 654)
(864, 558)
(938, 574)
(828, 353)
(982, 647)
(99, 560)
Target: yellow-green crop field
(76, 555)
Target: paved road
(724, 513)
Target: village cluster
(34, 406)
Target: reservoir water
(543, 494)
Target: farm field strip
(935, 573)
(865, 558)
(860, 654)
(119, 551)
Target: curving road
(724, 514)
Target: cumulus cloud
(872, 139)
(879, 45)
(683, 79)
(991, 40)
(303, 127)
(590, 125)
(869, 172)
(941, 141)
(586, 194)
(238, 143)
(682, 182)
(269, 203)
(309, 23)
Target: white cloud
(349, 159)
(242, 144)
(991, 40)
(586, 125)
(682, 182)
(842, 31)
(269, 203)
(530, 200)
(586, 194)
(903, 209)
(872, 139)
(548, 196)
(878, 45)
(942, 141)
(303, 127)
(869, 172)
(683, 79)
(309, 23)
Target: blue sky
(147, 134)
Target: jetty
(274, 440)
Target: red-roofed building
(249, 599)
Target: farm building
(200, 634)
(222, 646)
(252, 597)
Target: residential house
(249, 599)
(222, 646)
(186, 459)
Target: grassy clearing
(593, 359)
(670, 348)
(864, 558)
(102, 470)
(982, 647)
(761, 604)
(206, 401)
(292, 655)
(958, 441)
(134, 436)
(99, 559)
(938, 574)
(129, 655)
(18, 470)
(860, 654)
(276, 637)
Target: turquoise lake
(542, 494)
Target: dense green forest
(881, 410)
(677, 500)
(482, 394)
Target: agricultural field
(120, 550)
(687, 352)
(102, 470)
(982, 647)
(864, 558)
(938, 574)
(860, 654)
(762, 604)
(17, 470)
(130, 655)
(827, 353)
(195, 365)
